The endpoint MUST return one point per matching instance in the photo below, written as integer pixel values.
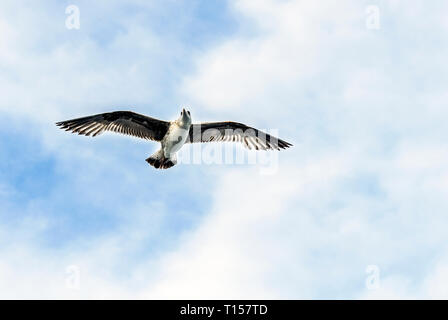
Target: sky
(356, 209)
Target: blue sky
(364, 185)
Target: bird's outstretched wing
(125, 122)
(250, 137)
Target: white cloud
(261, 69)
(435, 283)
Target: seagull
(172, 135)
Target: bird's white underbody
(175, 139)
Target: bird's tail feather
(159, 161)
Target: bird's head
(185, 118)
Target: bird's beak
(183, 110)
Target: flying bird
(172, 135)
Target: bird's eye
(188, 112)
